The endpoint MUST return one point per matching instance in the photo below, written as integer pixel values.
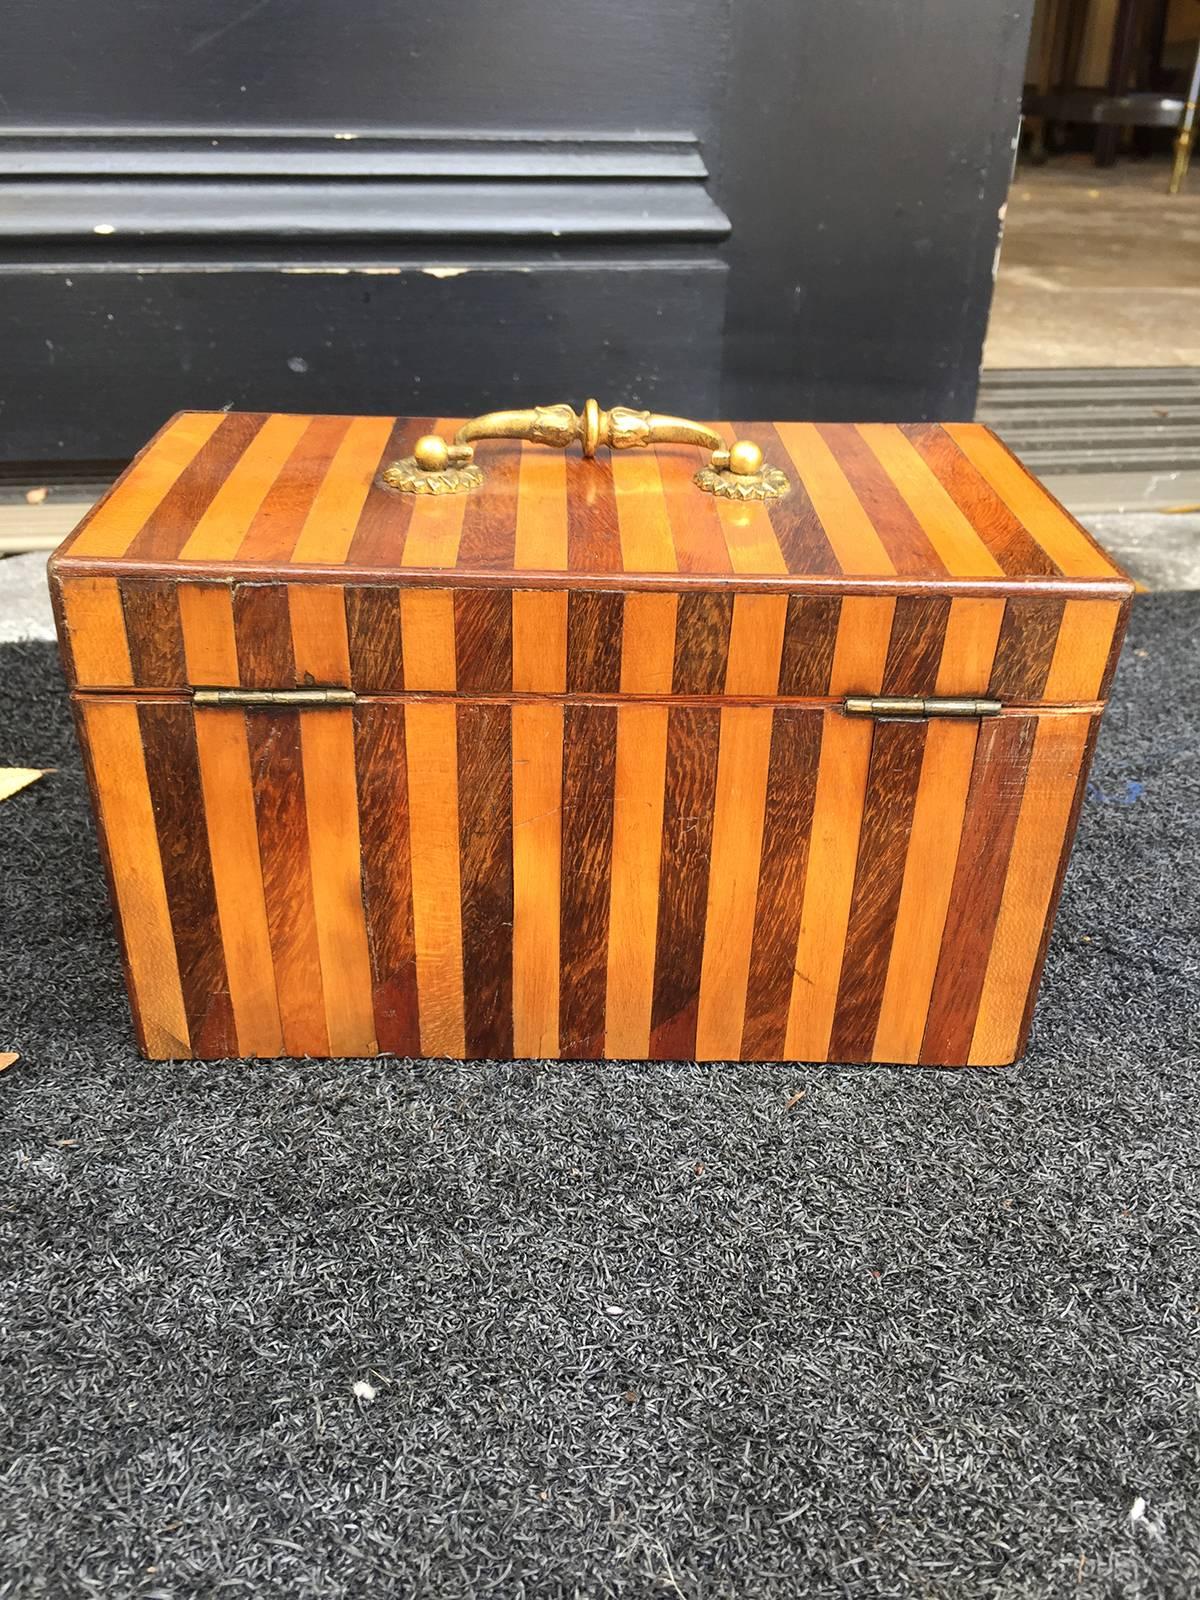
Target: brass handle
(736, 472)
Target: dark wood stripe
(173, 771)
(489, 530)
(701, 643)
(915, 647)
(380, 762)
(277, 523)
(1114, 654)
(589, 762)
(1006, 538)
(695, 521)
(262, 628)
(787, 825)
(896, 752)
(593, 535)
(383, 521)
(693, 741)
(166, 531)
(594, 629)
(152, 627)
(373, 634)
(277, 771)
(1025, 649)
(802, 539)
(808, 644)
(993, 804)
(483, 640)
(485, 835)
(902, 535)
(1085, 767)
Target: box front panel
(545, 878)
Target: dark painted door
(743, 207)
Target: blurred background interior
(768, 210)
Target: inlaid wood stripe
(263, 630)
(905, 540)
(427, 634)
(1002, 750)
(702, 629)
(382, 771)
(280, 809)
(589, 760)
(127, 818)
(431, 753)
(928, 876)
(809, 638)
(155, 637)
(861, 649)
(94, 624)
(695, 524)
(1054, 765)
(320, 645)
(693, 741)
(896, 756)
(969, 651)
(381, 528)
(374, 638)
(645, 529)
(276, 525)
(483, 641)
(594, 623)
(537, 777)
(756, 644)
(226, 788)
(593, 536)
(850, 531)
(490, 516)
(173, 771)
(541, 517)
(435, 522)
(221, 529)
(959, 548)
(1025, 649)
(747, 528)
(209, 639)
(829, 885)
(117, 519)
(787, 821)
(915, 646)
(1082, 650)
(798, 531)
(485, 808)
(737, 830)
(539, 641)
(162, 535)
(334, 517)
(1063, 540)
(1013, 548)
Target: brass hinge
(293, 699)
(903, 708)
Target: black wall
(743, 207)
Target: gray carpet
(632, 1330)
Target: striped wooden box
(590, 789)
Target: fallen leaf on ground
(13, 779)
(796, 1099)
(34, 497)
(7, 1057)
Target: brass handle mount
(436, 466)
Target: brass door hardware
(735, 472)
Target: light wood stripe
(431, 751)
(237, 875)
(849, 529)
(747, 529)
(427, 638)
(220, 531)
(861, 650)
(537, 755)
(638, 797)
(742, 765)
(959, 547)
(541, 535)
(1058, 752)
(131, 840)
(829, 884)
(969, 650)
(645, 529)
(331, 804)
(648, 643)
(756, 644)
(333, 516)
(436, 522)
(539, 641)
(1082, 649)
(95, 624)
(209, 641)
(319, 641)
(928, 878)
(118, 519)
(1043, 518)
